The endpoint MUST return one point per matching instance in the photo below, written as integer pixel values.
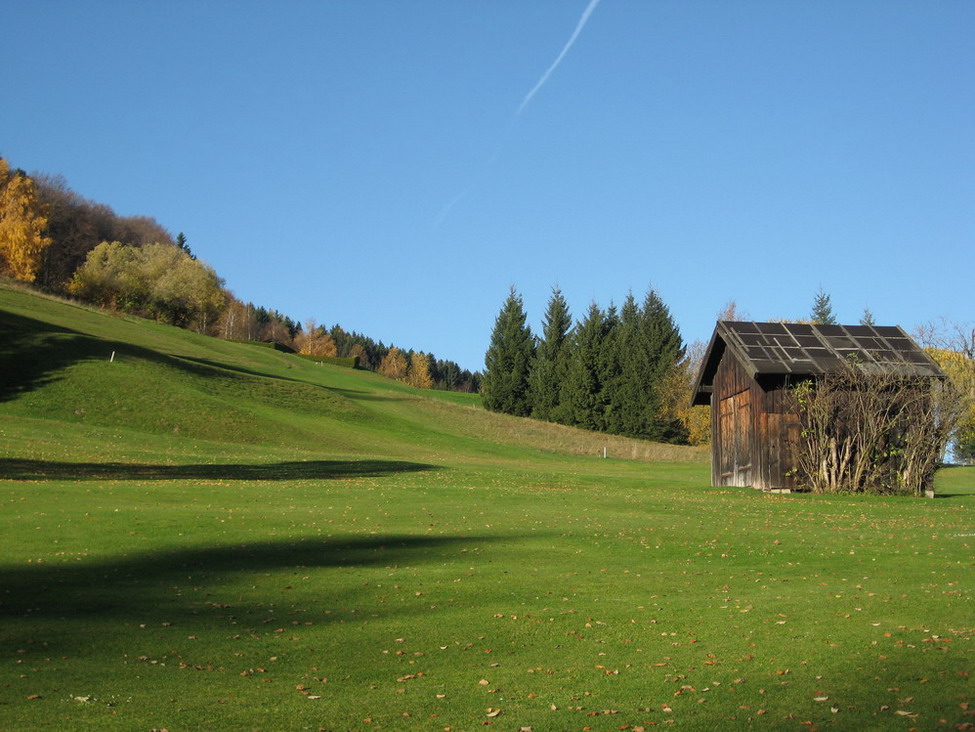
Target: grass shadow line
(40, 470)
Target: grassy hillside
(207, 535)
(80, 367)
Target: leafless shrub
(871, 431)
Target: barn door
(782, 432)
(736, 449)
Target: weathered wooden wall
(754, 430)
(733, 425)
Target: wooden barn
(747, 377)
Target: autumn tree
(22, 226)
(952, 345)
(731, 311)
(695, 418)
(314, 340)
(77, 225)
(182, 291)
(508, 361)
(237, 321)
(358, 352)
(420, 371)
(394, 365)
(159, 281)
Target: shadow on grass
(34, 353)
(23, 469)
(174, 582)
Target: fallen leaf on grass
(492, 712)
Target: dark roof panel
(888, 331)
(804, 349)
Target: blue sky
(395, 166)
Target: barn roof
(804, 349)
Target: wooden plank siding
(733, 422)
(754, 430)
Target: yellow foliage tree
(419, 375)
(676, 389)
(22, 225)
(394, 365)
(952, 345)
(315, 341)
(960, 369)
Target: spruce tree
(627, 399)
(508, 361)
(551, 360)
(664, 350)
(610, 369)
(581, 396)
(822, 310)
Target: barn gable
(747, 375)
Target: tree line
(619, 370)
(60, 242)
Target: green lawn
(204, 535)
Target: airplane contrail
(445, 211)
(572, 39)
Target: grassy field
(208, 535)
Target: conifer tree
(583, 390)
(626, 394)
(664, 352)
(552, 359)
(867, 317)
(822, 310)
(611, 357)
(508, 361)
